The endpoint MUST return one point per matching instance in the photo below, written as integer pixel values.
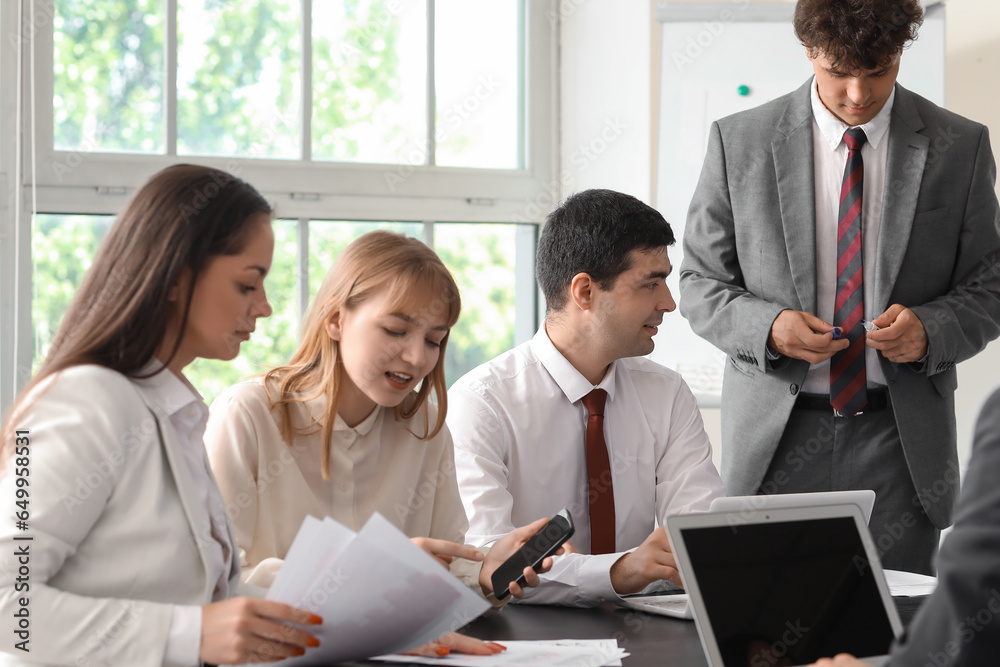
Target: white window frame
(301, 189)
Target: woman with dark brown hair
(124, 554)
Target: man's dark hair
(594, 232)
(857, 34)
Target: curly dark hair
(857, 34)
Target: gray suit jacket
(957, 625)
(750, 247)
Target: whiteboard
(718, 58)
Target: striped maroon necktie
(848, 384)
(600, 491)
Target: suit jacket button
(793, 389)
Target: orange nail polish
(299, 651)
(502, 647)
(442, 651)
(313, 642)
(315, 620)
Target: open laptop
(665, 599)
(786, 587)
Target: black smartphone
(542, 544)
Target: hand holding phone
(540, 546)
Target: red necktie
(848, 383)
(601, 493)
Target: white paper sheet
(548, 653)
(909, 583)
(317, 541)
(376, 591)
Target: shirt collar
(832, 128)
(176, 396)
(573, 384)
(317, 410)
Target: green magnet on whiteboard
(743, 91)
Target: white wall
(606, 95)
(609, 86)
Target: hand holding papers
(376, 591)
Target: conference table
(649, 639)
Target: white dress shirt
(830, 158)
(380, 465)
(188, 414)
(520, 426)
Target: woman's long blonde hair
(411, 274)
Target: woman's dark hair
(594, 232)
(857, 34)
(180, 219)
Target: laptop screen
(788, 593)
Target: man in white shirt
(524, 439)
(842, 248)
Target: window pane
(481, 257)
(108, 75)
(369, 81)
(328, 238)
(476, 83)
(63, 248)
(239, 78)
(276, 337)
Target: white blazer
(117, 538)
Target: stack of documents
(376, 591)
(909, 584)
(552, 653)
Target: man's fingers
(802, 335)
(545, 565)
(530, 577)
(882, 337)
(523, 533)
(822, 343)
(664, 571)
(903, 340)
(814, 323)
(889, 316)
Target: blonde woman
(347, 427)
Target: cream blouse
(378, 466)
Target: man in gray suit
(845, 273)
